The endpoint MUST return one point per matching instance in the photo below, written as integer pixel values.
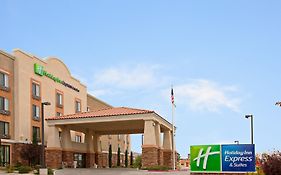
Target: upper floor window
(77, 106)
(78, 138)
(35, 90)
(4, 129)
(59, 99)
(4, 80)
(36, 132)
(35, 112)
(88, 108)
(4, 106)
(59, 114)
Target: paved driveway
(114, 171)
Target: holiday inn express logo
(39, 70)
(223, 158)
(205, 158)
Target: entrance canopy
(119, 120)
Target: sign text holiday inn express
(39, 70)
(223, 158)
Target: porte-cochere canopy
(118, 120)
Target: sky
(222, 58)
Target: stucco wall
(24, 72)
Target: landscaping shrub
(24, 169)
(271, 163)
(126, 158)
(137, 162)
(158, 168)
(110, 156)
(50, 171)
(17, 165)
(10, 169)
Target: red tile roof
(103, 113)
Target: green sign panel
(205, 158)
(39, 70)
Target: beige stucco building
(78, 126)
(24, 92)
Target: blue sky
(223, 58)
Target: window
(4, 106)
(78, 138)
(4, 155)
(59, 114)
(4, 80)
(35, 112)
(88, 108)
(36, 132)
(4, 129)
(59, 99)
(35, 90)
(119, 137)
(77, 106)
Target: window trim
(34, 111)
(6, 83)
(6, 128)
(5, 108)
(35, 85)
(59, 94)
(77, 101)
(38, 130)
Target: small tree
(137, 162)
(110, 156)
(31, 152)
(118, 156)
(271, 163)
(131, 158)
(126, 158)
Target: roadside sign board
(223, 158)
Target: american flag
(172, 96)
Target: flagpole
(173, 130)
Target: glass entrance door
(80, 158)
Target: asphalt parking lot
(114, 171)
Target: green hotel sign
(223, 158)
(39, 70)
(205, 158)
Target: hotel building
(78, 126)
(22, 92)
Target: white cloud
(138, 76)
(200, 95)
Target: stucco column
(67, 149)
(97, 150)
(90, 155)
(150, 147)
(53, 150)
(66, 139)
(167, 141)
(167, 149)
(149, 133)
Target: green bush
(10, 169)
(17, 165)
(137, 162)
(24, 169)
(158, 168)
(50, 171)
